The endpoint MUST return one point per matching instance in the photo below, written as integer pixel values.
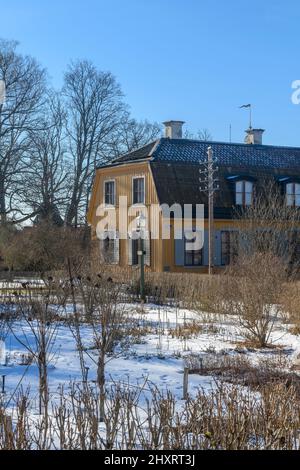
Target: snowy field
(158, 355)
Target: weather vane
(249, 106)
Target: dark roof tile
(237, 155)
(139, 154)
(188, 151)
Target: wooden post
(8, 429)
(208, 180)
(186, 383)
(3, 384)
(211, 238)
(142, 260)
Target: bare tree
(108, 325)
(45, 186)
(106, 314)
(267, 257)
(95, 108)
(132, 134)
(48, 156)
(258, 282)
(25, 85)
(203, 135)
(38, 338)
(269, 225)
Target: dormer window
(243, 193)
(293, 194)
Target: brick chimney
(173, 129)
(254, 136)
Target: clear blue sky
(193, 60)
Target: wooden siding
(162, 251)
(169, 250)
(123, 176)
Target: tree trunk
(101, 385)
(3, 217)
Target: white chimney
(254, 136)
(173, 129)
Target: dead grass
(194, 291)
(252, 345)
(225, 418)
(187, 330)
(238, 369)
(291, 306)
(295, 330)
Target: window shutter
(179, 252)
(205, 248)
(244, 244)
(116, 255)
(217, 254)
(147, 249)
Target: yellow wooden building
(167, 172)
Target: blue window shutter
(179, 252)
(205, 249)
(217, 247)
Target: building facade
(166, 172)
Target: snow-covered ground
(158, 355)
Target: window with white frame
(109, 193)
(138, 190)
(243, 193)
(293, 194)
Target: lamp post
(140, 227)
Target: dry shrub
(137, 333)
(257, 285)
(44, 247)
(217, 364)
(187, 331)
(295, 330)
(194, 291)
(225, 418)
(290, 300)
(238, 369)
